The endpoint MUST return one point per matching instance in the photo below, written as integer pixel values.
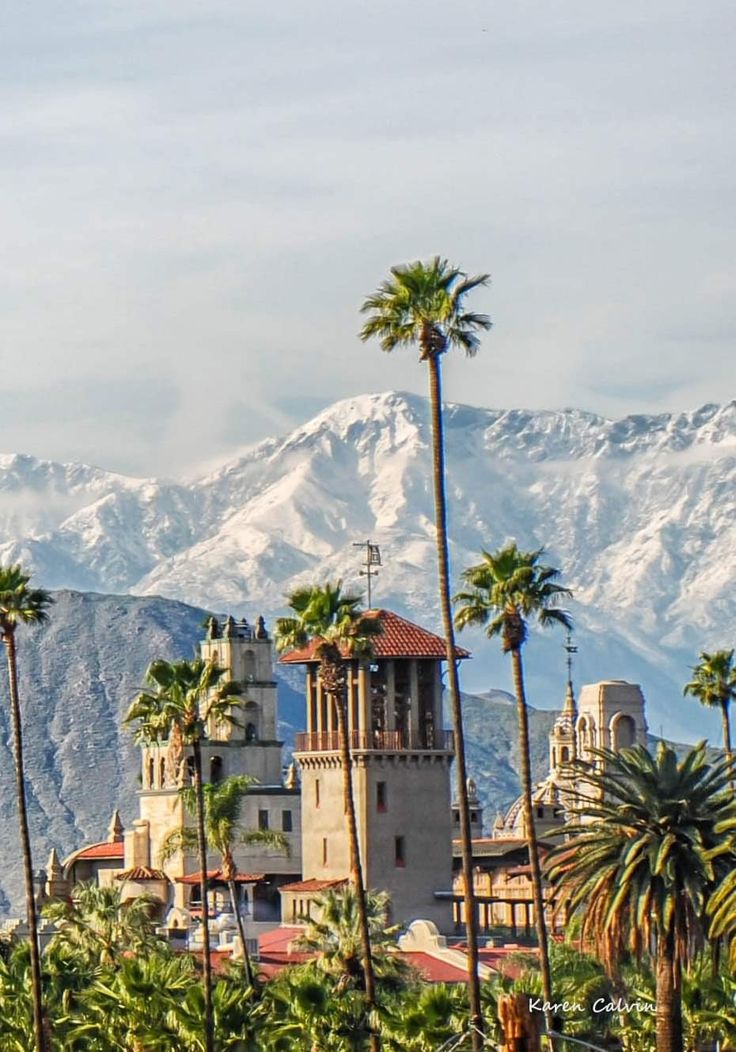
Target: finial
(261, 632)
(290, 781)
(472, 791)
(569, 708)
(213, 628)
(53, 866)
(115, 829)
(230, 629)
(245, 628)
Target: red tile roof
(142, 873)
(106, 849)
(313, 885)
(433, 969)
(278, 939)
(216, 874)
(400, 638)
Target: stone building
(401, 757)
(249, 747)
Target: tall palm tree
(20, 604)
(423, 305)
(642, 865)
(179, 700)
(714, 684)
(505, 590)
(334, 620)
(223, 805)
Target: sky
(197, 196)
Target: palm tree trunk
(25, 842)
(247, 967)
(727, 740)
(443, 566)
(209, 1036)
(669, 1009)
(531, 831)
(356, 869)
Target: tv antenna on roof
(372, 560)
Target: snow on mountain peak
(639, 512)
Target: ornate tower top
(115, 829)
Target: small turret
(261, 632)
(56, 887)
(213, 628)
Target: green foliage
(98, 928)
(332, 617)
(20, 604)
(506, 589)
(650, 853)
(423, 303)
(714, 679)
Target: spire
(569, 708)
(53, 866)
(115, 829)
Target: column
(390, 697)
(365, 716)
(414, 737)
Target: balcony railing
(376, 741)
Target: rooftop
(400, 639)
(106, 849)
(313, 885)
(216, 875)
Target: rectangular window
(540, 812)
(286, 824)
(263, 819)
(316, 792)
(381, 797)
(399, 851)
(324, 850)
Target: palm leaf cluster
(649, 856)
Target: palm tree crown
(506, 589)
(714, 678)
(20, 604)
(423, 303)
(641, 869)
(332, 617)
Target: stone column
(390, 696)
(414, 736)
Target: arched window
(190, 769)
(565, 757)
(623, 732)
(252, 722)
(249, 666)
(162, 772)
(151, 772)
(215, 769)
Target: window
(565, 754)
(263, 820)
(316, 792)
(399, 851)
(151, 773)
(324, 850)
(381, 797)
(162, 772)
(540, 812)
(456, 817)
(473, 816)
(215, 769)
(286, 823)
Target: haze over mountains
(638, 512)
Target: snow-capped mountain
(637, 512)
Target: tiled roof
(278, 939)
(434, 969)
(313, 885)
(216, 874)
(142, 873)
(400, 639)
(107, 849)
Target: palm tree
(334, 620)
(223, 804)
(422, 305)
(642, 865)
(506, 589)
(333, 934)
(182, 697)
(714, 684)
(99, 928)
(20, 604)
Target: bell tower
(401, 758)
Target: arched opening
(190, 770)
(623, 732)
(151, 772)
(162, 772)
(249, 666)
(564, 754)
(215, 769)
(252, 722)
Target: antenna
(372, 559)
